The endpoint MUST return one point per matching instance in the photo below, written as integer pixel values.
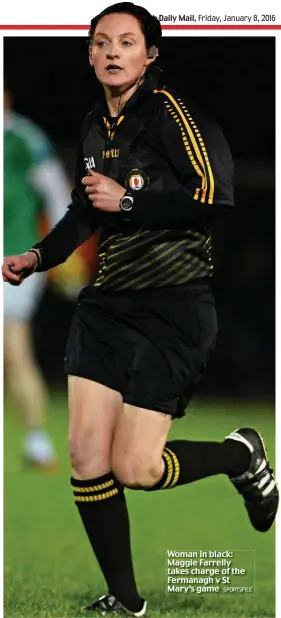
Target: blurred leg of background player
(36, 187)
(23, 377)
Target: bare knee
(137, 462)
(88, 460)
(94, 410)
(78, 450)
(135, 472)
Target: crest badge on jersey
(136, 180)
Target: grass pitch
(49, 567)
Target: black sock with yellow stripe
(186, 461)
(103, 510)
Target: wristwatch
(126, 202)
(37, 252)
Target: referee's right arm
(77, 225)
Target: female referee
(151, 170)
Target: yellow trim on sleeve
(197, 143)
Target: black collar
(144, 90)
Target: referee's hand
(16, 268)
(104, 192)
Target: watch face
(127, 202)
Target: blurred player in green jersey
(34, 183)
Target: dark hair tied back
(150, 25)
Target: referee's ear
(90, 51)
(152, 54)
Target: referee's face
(118, 53)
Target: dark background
(233, 79)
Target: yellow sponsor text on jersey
(112, 153)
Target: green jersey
(25, 148)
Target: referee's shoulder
(89, 120)
(169, 96)
(180, 107)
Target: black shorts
(151, 346)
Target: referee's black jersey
(178, 166)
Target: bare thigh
(94, 411)
(138, 446)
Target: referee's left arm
(202, 167)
